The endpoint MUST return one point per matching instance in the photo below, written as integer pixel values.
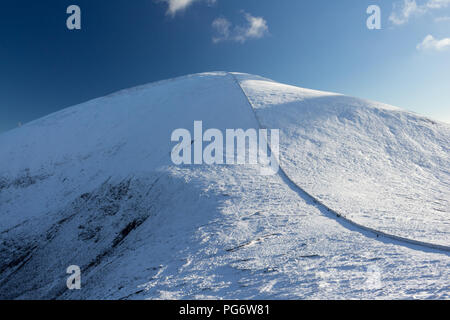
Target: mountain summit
(360, 205)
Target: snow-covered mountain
(360, 207)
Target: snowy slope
(376, 164)
(93, 185)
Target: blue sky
(318, 44)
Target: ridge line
(340, 218)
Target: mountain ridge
(93, 185)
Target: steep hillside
(94, 186)
(376, 164)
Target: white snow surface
(376, 164)
(93, 185)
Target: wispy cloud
(175, 6)
(254, 28)
(223, 29)
(437, 4)
(432, 44)
(442, 19)
(405, 10)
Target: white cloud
(404, 11)
(437, 4)
(175, 6)
(442, 19)
(432, 44)
(222, 27)
(407, 9)
(255, 28)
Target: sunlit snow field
(94, 185)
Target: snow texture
(93, 185)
